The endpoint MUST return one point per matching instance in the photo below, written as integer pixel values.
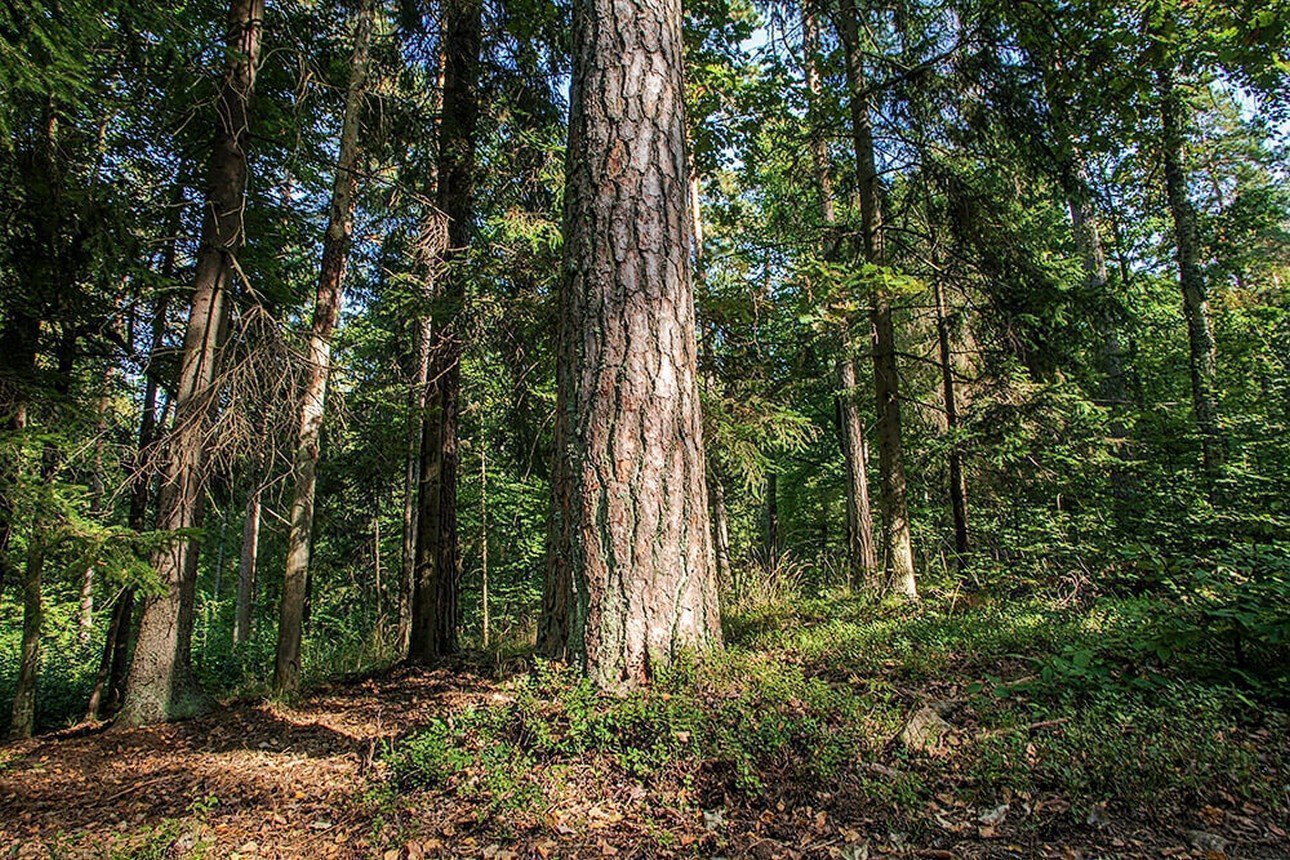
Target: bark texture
(331, 280)
(160, 684)
(438, 562)
(897, 544)
(632, 580)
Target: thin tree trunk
(862, 556)
(85, 613)
(1200, 335)
(958, 482)
(430, 249)
(897, 544)
(483, 535)
(721, 529)
(219, 555)
(772, 522)
(109, 682)
(336, 243)
(161, 685)
(717, 492)
(376, 559)
(23, 721)
(438, 562)
(630, 536)
(122, 608)
(247, 564)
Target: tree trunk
(958, 482)
(630, 532)
(376, 560)
(1088, 239)
(161, 685)
(336, 243)
(483, 536)
(438, 562)
(721, 530)
(430, 249)
(1200, 336)
(85, 613)
(897, 544)
(246, 568)
(101, 696)
(862, 557)
(23, 721)
(772, 522)
(109, 683)
(716, 491)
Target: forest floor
(1055, 742)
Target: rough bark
(630, 532)
(438, 561)
(897, 544)
(1203, 359)
(331, 279)
(161, 685)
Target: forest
(587, 428)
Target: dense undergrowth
(1086, 705)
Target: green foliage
(817, 691)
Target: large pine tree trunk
(1200, 335)
(897, 544)
(438, 562)
(331, 279)
(630, 532)
(160, 685)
